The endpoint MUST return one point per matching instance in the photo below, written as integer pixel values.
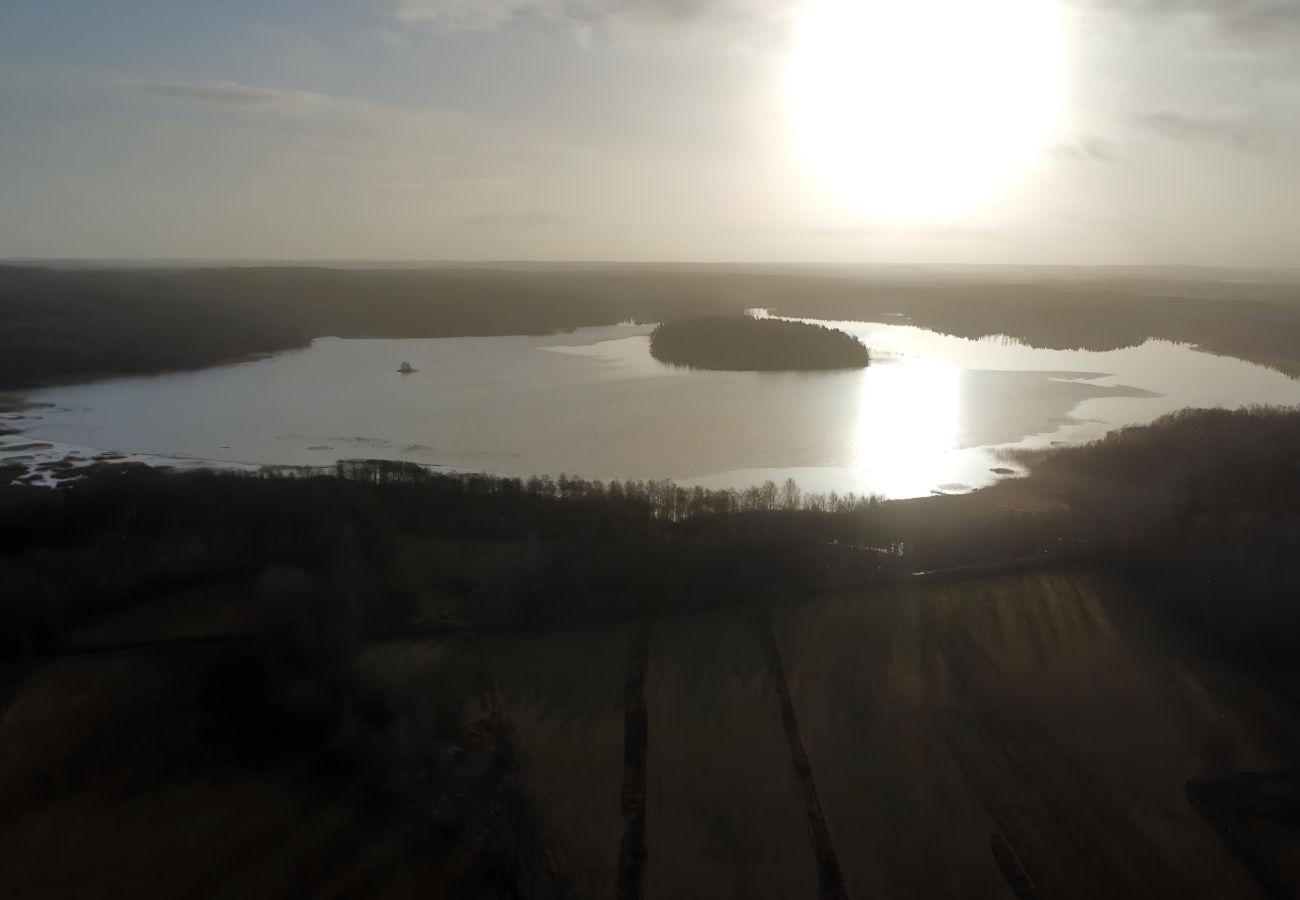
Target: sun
(920, 109)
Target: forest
(555, 550)
(1202, 508)
(746, 344)
(60, 324)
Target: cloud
(230, 93)
(1253, 21)
(355, 140)
(474, 15)
(1086, 149)
(1257, 21)
(351, 113)
(581, 17)
(517, 219)
(1201, 129)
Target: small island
(745, 344)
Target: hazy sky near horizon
(648, 130)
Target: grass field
(1040, 713)
(724, 810)
(937, 715)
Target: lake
(931, 413)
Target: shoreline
(65, 463)
(70, 378)
(57, 463)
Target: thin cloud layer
(228, 93)
(1086, 149)
(518, 219)
(473, 15)
(1264, 22)
(581, 16)
(1201, 129)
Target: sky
(1034, 131)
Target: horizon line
(434, 262)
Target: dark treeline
(59, 324)
(67, 323)
(549, 549)
(742, 343)
(484, 551)
(1203, 507)
(1245, 321)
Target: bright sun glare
(915, 109)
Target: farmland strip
(1012, 869)
(830, 876)
(632, 852)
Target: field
(725, 815)
(109, 784)
(562, 695)
(940, 715)
(1037, 713)
(1029, 734)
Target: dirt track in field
(1005, 737)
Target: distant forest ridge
(76, 323)
(745, 344)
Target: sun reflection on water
(909, 419)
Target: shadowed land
(499, 689)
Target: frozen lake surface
(930, 413)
